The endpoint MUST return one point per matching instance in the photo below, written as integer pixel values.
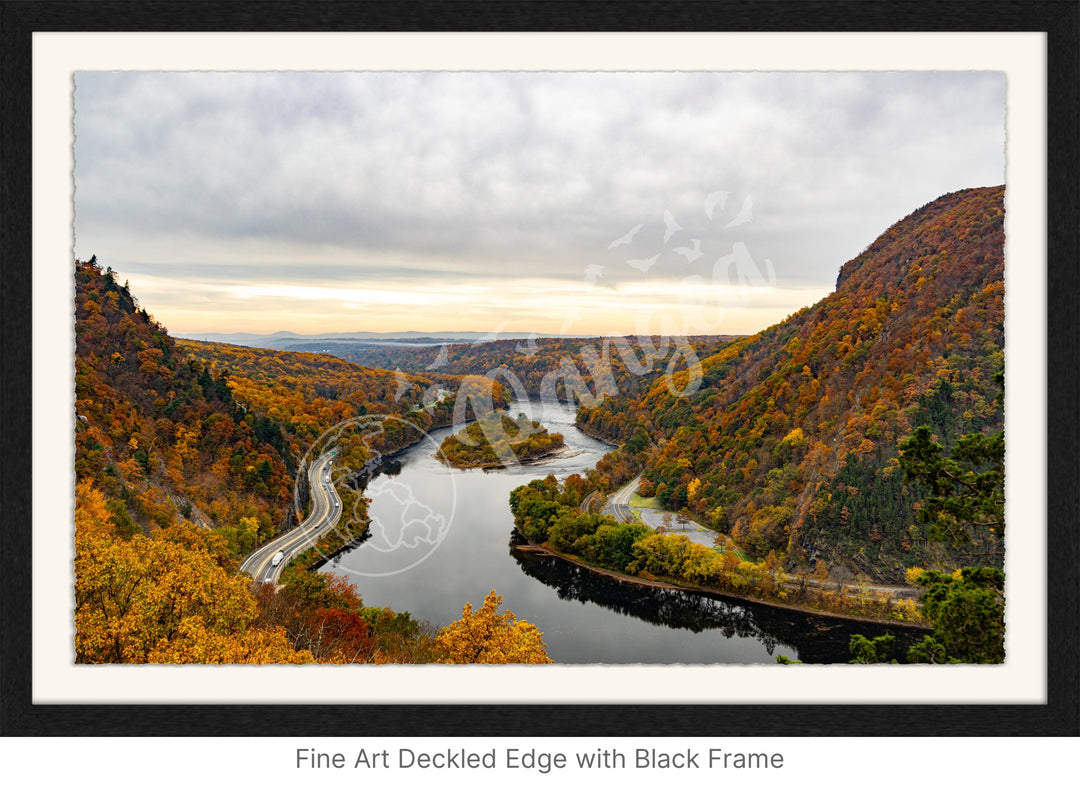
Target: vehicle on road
(280, 556)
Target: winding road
(325, 512)
(618, 505)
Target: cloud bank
(548, 202)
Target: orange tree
(485, 636)
(160, 601)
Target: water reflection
(813, 638)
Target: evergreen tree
(966, 506)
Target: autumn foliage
(159, 433)
(308, 394)
(169, 599)
(156, 600)
(498, 440)
(551, 515)
(486, 636)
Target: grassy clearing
(740, 554)
(637, 501)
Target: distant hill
(568, 368)
(288, 340)
(790, 441)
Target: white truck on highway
(280, 556)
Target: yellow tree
(195, 642)
(486, 637)
(157, 600)
(92, 519)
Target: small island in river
(498, 440)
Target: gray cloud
(411, 176)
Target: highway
(325, 512)
(618, 505)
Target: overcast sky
(524, 202)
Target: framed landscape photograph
(528, 383)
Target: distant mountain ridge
(283, 340)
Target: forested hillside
(316, 398)
(567, 368)
(790, 444)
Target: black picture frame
(1059, 716)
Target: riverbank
(593, 435)
(523, 544)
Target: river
(441, 537)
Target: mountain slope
(176, 480)
(790, 441)
(161, 434)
